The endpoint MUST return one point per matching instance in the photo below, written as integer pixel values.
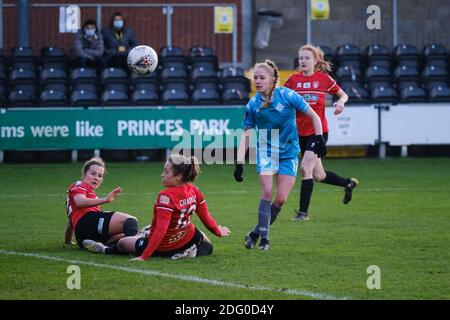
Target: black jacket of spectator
(118, 41)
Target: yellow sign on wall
(320, 9)
(223, 20)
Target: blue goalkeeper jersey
(279, 137)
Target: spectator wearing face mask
(88, 47)
(119, 39)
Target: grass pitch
(399, 220)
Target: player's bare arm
(82, 202)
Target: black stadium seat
(180, 86)
(406, 84)
(175, 97)
(145, 97)
(31, 87)
(234, 96)
(205, 96)
(376, 73)
(113, 75)
(167, 54)
(202, 56)
(53, 98)
(117, 86)
(406, 73)
(413, 94)
(348, 52)
(405, 51)
(114, 98)
(435, 55)
(22, 54)
(206, 85)
(83, 98)
(357, 94)
(53, 75)
(24, 65)
(53, 54)
(173, 74)
(435, 83)
(375, 84)
(55, 87)
(440, 94)
(434, 73)
(83, 75)
(22, 76)
(85, 86)
(169, 64)
(434, 50)
(383, 63)
(344, 73)
(384, 95)
(145, 86)
(148, 78)
(202, 74)
(22, 98)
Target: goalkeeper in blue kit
(272, 112)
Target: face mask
(89, 32)
(118, 24)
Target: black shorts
(203, 247)
(306, 142)
(94, 225)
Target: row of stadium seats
(403, 74)
(54, 57)
(138, 97)
(406, 53)
(49, 80)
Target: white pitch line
(188, 278)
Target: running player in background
(172, 233)
(85, 216)
(313, 83)
(272, 112)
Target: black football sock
(305, 194)
(263, 219)
(130, 227)
(275, 211)
(334, 179)
(112, 248)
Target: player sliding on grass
(313, 83)
(272, 112)
(84, 212)
(172, 233)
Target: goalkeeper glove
(319, 147)
(238, 171)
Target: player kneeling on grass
(172, 233)
(84, 212)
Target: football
(142, 60)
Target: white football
(142, 60)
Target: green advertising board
(116, 128)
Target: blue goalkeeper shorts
(271, 166)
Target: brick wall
(190, 26)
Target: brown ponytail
(189, 168)
(271, 67)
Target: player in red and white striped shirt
(172, 233)
(313, 83)
(86, 218)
